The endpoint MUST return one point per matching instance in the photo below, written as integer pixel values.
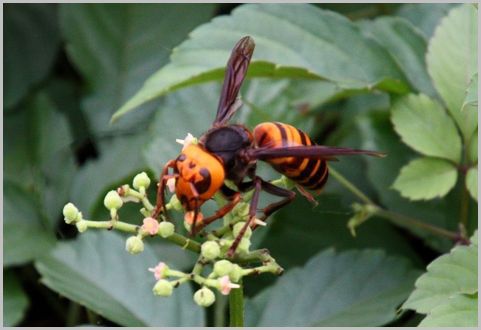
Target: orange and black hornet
(230, 152)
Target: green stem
(402, 219)
(389, 215)
(175, 238)
(219, 310)
(346, 183)
(236, 307)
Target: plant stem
(236, 307)
(389, 215)
(399, 218)
(345, 182)
(175, 238)
(219, 310)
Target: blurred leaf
(15, 300)
(117, 46)
(25, 235)
(471, 98)
(377, 134)
(424, 126)
(97, 272)
(425, 16)
(120, 159)
(406, 45)
(451, 274)
(293, 41)
(38, 153)
(458, 311)
(426, 178)
(335, 289)
(31, 43)
(452, 61)
(472, 182)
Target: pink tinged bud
(151, 226)
(171, 184)
(226, 285)
(159, 270)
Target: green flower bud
(141, 180)
(237, 228)
(222, 267)
(71, 213)
(81, 226)
(166, 229)
(225, 244)
(134, 245)
(204, 297)
(112, 200)
(236, 273)
(175, 203)
(163, 288)
(244, 245)
(210, 250)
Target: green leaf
(97, 272)
(426, 178)
(37, 157)
(450, 274)
(15, 300)
(471, 99)
(452, 61)
(425, 16)
(25, 235)
(424, 125)
(31, 44)
(376, 133)
(406, 45)
(120, 159)
(473, 147)
(472, 182)
(458, 311)
(354, 288)
(293, 41)
(312, 229)
(117, 46)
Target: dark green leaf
(407, 46)
(426, 178)
(97, 272)
(31, 43)
(424, 126)
(452, 61)
(120, 160)
(354, 288)
(25, 235)
(295, 40)
(425, 16)
(117, 46)
(15, 300)
(309, 230)
(38, 153)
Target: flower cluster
(214, 269)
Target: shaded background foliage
(68, 68)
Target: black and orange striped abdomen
(308, 172)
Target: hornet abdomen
(310, 173)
